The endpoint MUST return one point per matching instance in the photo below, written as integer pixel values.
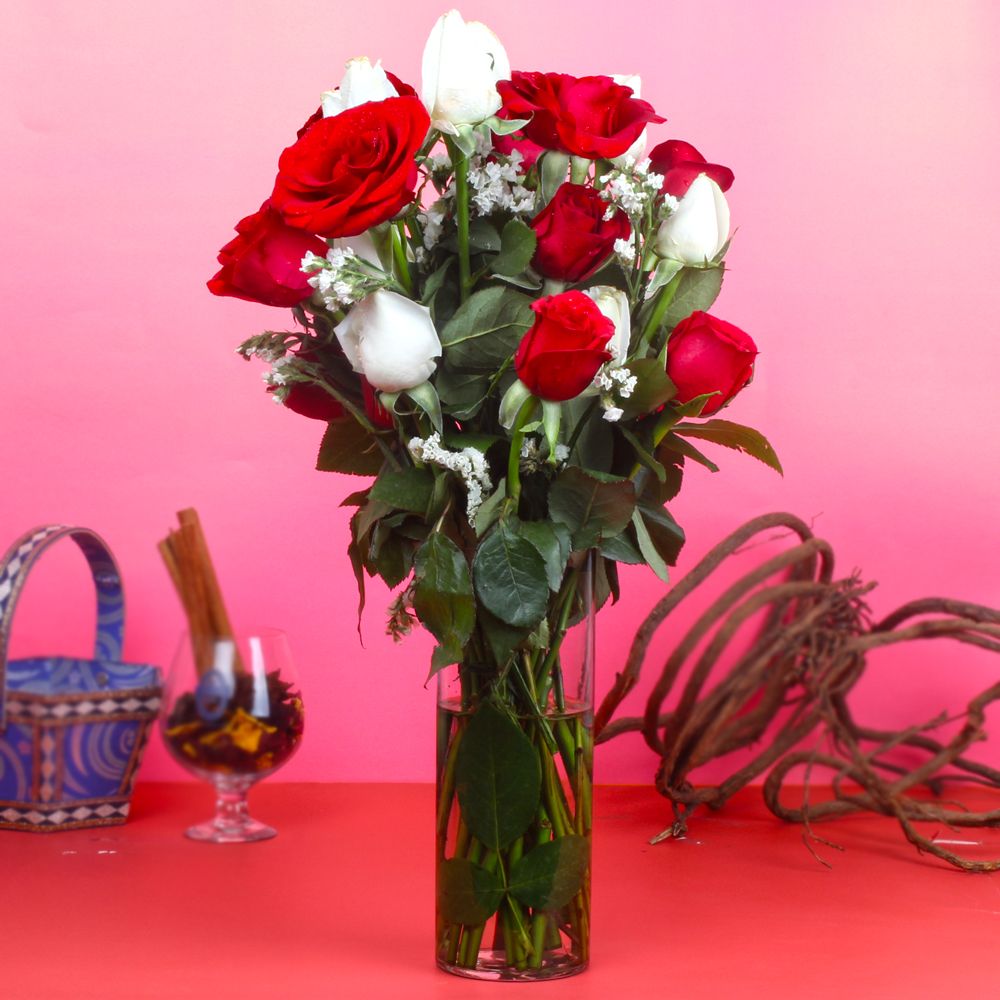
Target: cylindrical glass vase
(514, 799)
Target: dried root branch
(813, 634)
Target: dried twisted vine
(794, 679)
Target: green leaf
(699, 287)
(731, 435)
(498, 778)
(358, 566)
(442, 595)
(489, 510)
(665, 272)
(467, 893)
(483, 236)
(649, 552)
(665, 534)
(642, 453)
(553, 544)
(357, 499)
(510, 578)
(681, 447)
(443, 656)
(404, 489)
(393, 555)
(462, 392)
(653, 388)
(503, 639)
(505, 126)
(486, 329)
(621, 549)
(590, 508)
(517, 247)
(347, 447)
(436, 280)
(426, 397)
(550, 875)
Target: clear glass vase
(514, 802)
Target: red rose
(377, 413)
(316, 116)
(705, 354)
(588, 116)
(574, 238)
(680, 163)
(402, 90)
(263, 263)
(530, 151)
(353, 171)
(311, 400)
(560, 355)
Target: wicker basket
(72, 731)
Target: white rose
(362, 83)
(391, 340)
(363, 246)
(699, 228)
(461, 65)
(613, 302)
(638, 148)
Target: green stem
(581, 423)
(399, 254)
(579, 170)
(523, 938)
(462, 218)
(447, 793)
(658, 313)
(514, 459)
(539, 929)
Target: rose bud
(705, 354)
(613, 302)
(560, 355)
(636, 150)
(530, 151)
(311, 400)
(680, 163)
(353, 171)
(589, 116)
(699, 227)
(390, 340)
(360, 89)
(264, 262)
(362, 82)
(574, 238)
(376, 412)
(461, 66)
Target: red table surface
(340, 905)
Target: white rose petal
(391, 340)
(362, 82)
(638, 148)
(461, 66)
(362, 245)
(613, 303)
(699, 228)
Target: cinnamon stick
(189, 563)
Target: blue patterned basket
(72, 731)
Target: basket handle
(17, 563)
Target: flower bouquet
(500, 308)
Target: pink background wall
(865, 143)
